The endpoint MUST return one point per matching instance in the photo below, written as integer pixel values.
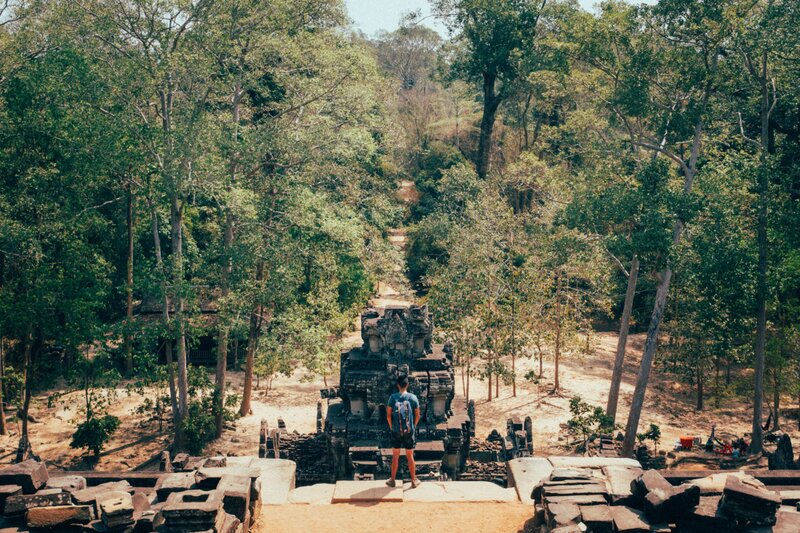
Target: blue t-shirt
(402, 397)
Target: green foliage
(94, 433)
(587, 420)
(652, 434)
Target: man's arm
(416, 417)
(389, 416)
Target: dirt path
(393, 517)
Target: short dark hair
(402, 381)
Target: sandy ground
(393, 517)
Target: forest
(190, 188)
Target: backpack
(402, 413)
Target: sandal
(391, 483)
(415, 483)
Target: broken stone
(671, 505)
(145, 523)
(116, 510)
(176, 482)
(575, 490)
(166, 463)
(562, 514)
(219, 461)
(179, 461)
(208, 478)
(786, 522)
(67, 483)
(31, 475)
(236, 495)
(60, 515)
(748, 506)
(627, 520)
(193, 508)
(597, 518)
(648, 482)
(90, 495)
(6, 491)
(619, 479)
(44, 498)
(783, 457)
(715, 484)
(564, 474)
(706, 517)
(141, 502)
(583, 499)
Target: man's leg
(395, 462)
(412, 466)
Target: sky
(371, 16)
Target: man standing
(402, 413)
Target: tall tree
(493, 38)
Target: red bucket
(687, 442)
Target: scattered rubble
(214, 495)
(583, 494)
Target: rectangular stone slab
(591, 462)
(208, 478)
(527, 472)
(67, 483)
(45, 498)
(706, 517)
(563, 474)
(175, 482)
(458, 491)
(30, 475)
(62, 515)
(89, 496)
(597, 518)
(6, 491)
(235, 495)
(619, 479)
(568, 490)
(366, 491)
(276, 479)
(585, 499)
(627, 520)
(319, 494)
(647, 482)
(562, 514)
(671, 505)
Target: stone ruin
(396, 340)
(595, 494)
(216, 495)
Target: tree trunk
(490, 377)
(252, 346)
(176, 230)
(557, 348)
(624, 326)
(699, 404)
(129, 286)
(222, 341)
(173, 396)
(689, 171)
(3, 430)
(227, 268)
(756, 442)
(26, 401)
(491, 102)
(776, 399)
(647, 362)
